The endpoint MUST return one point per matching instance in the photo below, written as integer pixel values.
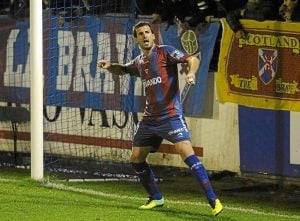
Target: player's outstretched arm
(114, 68)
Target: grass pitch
(24, 199)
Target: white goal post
(36, 89)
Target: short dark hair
(141, 24)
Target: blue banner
(71, 52)
(194, 104)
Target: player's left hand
(190, 79)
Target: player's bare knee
(136, 158)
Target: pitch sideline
(99, 193)
(116, 196)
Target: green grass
(24, 199)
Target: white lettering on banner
(138, 89)
(83, 79)
(104, 52)
(20, 78)
(295, 138)
(122, 58)
(88, 122)
(65, 61)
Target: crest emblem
(267, 64)
(189, 42)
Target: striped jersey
(159, 75)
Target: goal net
(89, 115)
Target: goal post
(36, 89)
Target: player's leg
(144, 143)
(184, 148)
(146, 176)
(178, 133)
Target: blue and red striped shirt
(159, 75)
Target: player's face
(145, 38)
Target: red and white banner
(263, 70)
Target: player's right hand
(103, 64)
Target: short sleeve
(176, 55)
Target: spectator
(193, 12)
(259, 10)
(170, 11)
(201, 11)
(296, 12)
(4, 7)
(225, 6)
(290, 10)
(19, 9)
(146, 7)
(188, 13)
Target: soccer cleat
(152, 203)
(217, 207)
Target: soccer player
(163, 116)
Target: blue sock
(147, 179)
(200, 173)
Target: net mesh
(88, 121)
